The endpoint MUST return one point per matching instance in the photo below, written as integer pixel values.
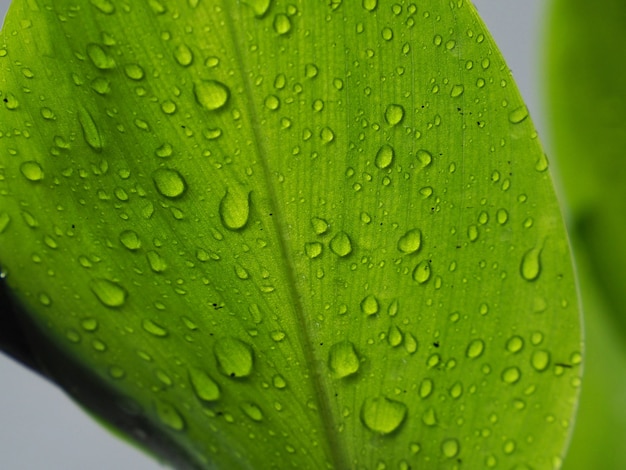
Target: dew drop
(105, 6)
(130, 240)
(91, 133)
(530, 267)
(450, 448)
(394, 336)
(99, 57)
(540, 360)
(511, 375)
(341, 244)
(313, 250)
(134, 71)
(382, 415)
(235, 209)
(421, 273)
(259, 7)
(370, 5)
(169, 182)
(282, 24)
(394, 113)
(169, 415)
(234, 357)
(272, 102)
(514, 344)
(32, 171)
(426, 388)
(205, 388)
(457, 90)
(475, 349)
(211, 94)
(252, 411)
(320, 226)
(156, 261)
(424, 157)
(153, 328)
(5, 220)
(411, 241)
(183, 55)
(109, 293)
(327, 135)
(384, 157)
(279, 382)
(518, 115)
(369, 305)
(343, 360)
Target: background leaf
(450, 226)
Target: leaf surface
(309, 234)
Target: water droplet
(313, 250)
(32, 171)
(205, 388)
(457, 90)
(383, 415)
(105, 6)
(99, 57)
(384, 157)
(511, 375)
(518, 115)
(410, 343)
(369, 305)
(514, 344)
(426, 388)
(394, 336)
(370, 5)
(411, 241)
(153, 328)
(235, 209)
(211, 94)
(343, 360)
(421, 273)
(424, 157)
(429, 417)
(91, 133)
(327, 135)
(183, 55)
(282, 24)
(169, 182)
(450, 448)
(341, 244)
(320, 226)
(252, 410)
(259, 7)
(169, 415)
(475, 349)
(530, 267)
(272, 102)
(130, 240)
(387, 34)
(156, 261)
(5, 220)
(110, 293)
(279, 381)
(540, 360)
(89, 324)
(234, 357)
(394, 113)
(134, 71)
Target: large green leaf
(311, 234)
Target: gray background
(42, 429)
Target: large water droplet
(205, 388)
(91, 133)
(369, 305)
(383, 415)
(234, 357)
(475, 349)
(32, 171)
(450, 448)
(511, 375)
(183, 55)
(411, 241)
(282, 24)
(320, 226)
(341, 244)
(384, 157)
(211, 94)
(540, 360)
(530, 267)
(130, 240)
(156, 261)
(518, 115)
(235, 209)
(421, 273)
(110, 293)
(394, 336)
(169, 182)
(343, 360)
(394, 113)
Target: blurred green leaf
(310, 234)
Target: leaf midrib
(337, 453)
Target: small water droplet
(183, 55)
(91, 133)
(327, 135)
(518, 115)
(370, 5)
(89, 324)
(99, 57)
(421, 273)
(514, 344)
(259, 7)
(475, 349)
(105, 6)
(234, 357)
(272, 102)
(252, 410)
(130, 240)
(211, 94)
(384, 157)
(450, 448)
(411, 241)
(341, 244)
(540, 360)
(156, 261)
(153, 328)
(426, 388)
(169, 182)
(282, 24)
(343, 359)
(394, 113)
(511, 375)
(32, 171)
(110, 293)
(369, 305)
(313, 250)
(205, 388)
(235, 209)
(424, 157)
(530, 267)
(320, 226)
(169, 415)
(382, 415)
(134, 71)
(279, 382)
(5, 220)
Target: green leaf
(315, 234)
